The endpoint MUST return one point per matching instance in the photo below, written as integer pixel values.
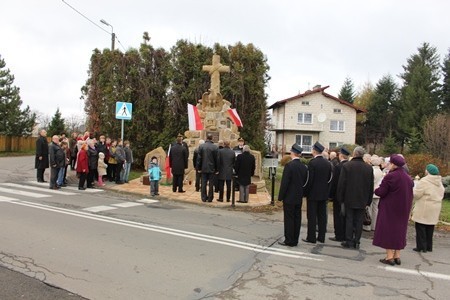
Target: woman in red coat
(82, 166)
(396, 195)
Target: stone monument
(213, 111)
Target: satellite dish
(321, 117)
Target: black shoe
(119, 182)
(81, 188)
(419, 250)
(334, 239)
(385, 261)
(220, 200)
(347, 245)
(157, 194)
(308, 241)
(357, 246)
(203, 200)
(284, 244)
(181, 191)
(228, 200)
(397, 261)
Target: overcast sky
(47, 45)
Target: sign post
(124, 111)
(272, 164)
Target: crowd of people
(215, 166)
(361, 186)
(95, 161)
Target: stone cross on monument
(214, 70)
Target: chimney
(316, 87)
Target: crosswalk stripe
(23, 193)
(34, 188)
(4, 198)
(72, 188)
(148, 201)
(99, 208)
(127, 204)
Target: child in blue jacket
(154, 173)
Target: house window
(336, 125)
(304, 118)
(337, 111)
(304, 141)
(334, 145)
(305, 103)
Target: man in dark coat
(207, 164)
(92, 154)
(293, 181)
(198, 173)
(41, 160)
(317, 192)
(57, 161)
(355, 190)
(245, 169)
(178, 163)
(225, 162)
(338, 214)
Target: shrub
(418, 162)
(285, 159)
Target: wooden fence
(17, 143)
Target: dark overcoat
(294, 177)
(57, 156)
(225, 161)
(355, 187)
(396, 195)
(92, 154)
(245, 168)
(41, 150)
(320, 175)
(207, 157)
(178, 158)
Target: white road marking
(34, 188)
(148, 201)
(4, 198)
(175, 232)
(72, 188)
(99, 208)
(23, 193)
(127, 204)
(417, 273)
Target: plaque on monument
(215, 136)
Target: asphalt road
(103, 245)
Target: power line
(95, 24)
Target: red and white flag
(235, 117)
(167, 164)
(195, 123)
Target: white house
(313, 116)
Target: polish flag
(167, 164)
(195, 122)
(235, 117)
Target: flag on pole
(195, 122)
(167, 164)
(235, 117)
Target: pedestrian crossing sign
(124, 110)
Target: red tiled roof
(317, 90)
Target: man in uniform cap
(240, 146)
(338, 213)
(317, 192)
(293, 181)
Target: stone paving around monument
(190, 196)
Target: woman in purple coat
(396, 194)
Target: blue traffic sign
(124, 110)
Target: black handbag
(367, 219)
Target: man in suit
(317, 192)
(355, 190)
(198, 174)
(225, 162)
(293, 181)
(178, 163)
(245, 169)
(41, 160)
(338, 214)
(207, 164)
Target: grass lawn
(17, 153)
(445, 211)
